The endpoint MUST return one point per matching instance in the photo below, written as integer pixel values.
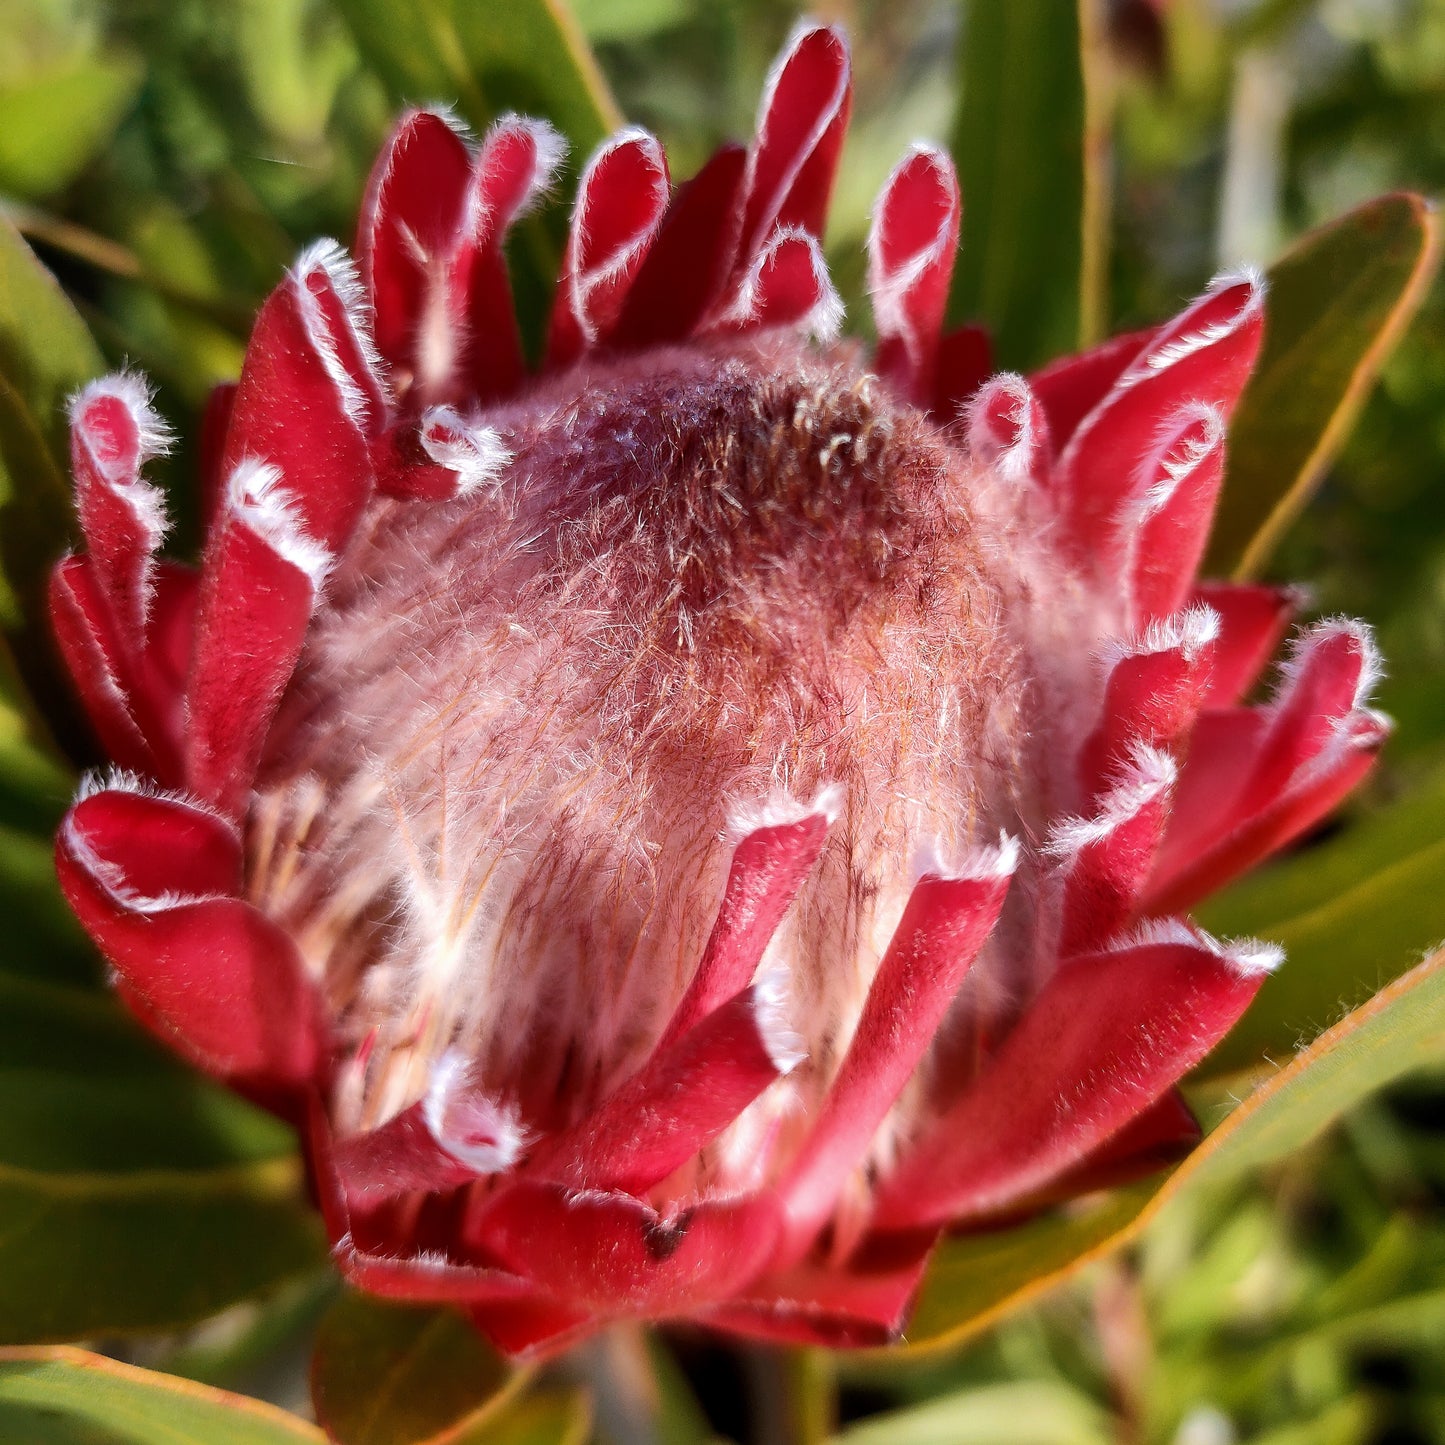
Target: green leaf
(1339, 301)
(1030, 156)
(62, 1396)
(615, 20)
(1400, 1029)
(46, 352)
(1351, 914)
(387, 1375)
(42, 937)
(976, 1279)
(133, 1194)
(527, 55)
(36, 526)
(55, 120)
(1021, 1412)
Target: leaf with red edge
(383, 1374)
(976, 1279)
(1338, 303)
(66, 1396)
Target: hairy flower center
(497, 811)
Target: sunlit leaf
(976, 1278)
(387, 1375)
(1351, 914)
(62, 1396)
(1338, 303)
(617, 20)
(55, 119)
(1038, 1412)
(133, 1194)
(1029, 264)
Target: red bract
(680, 830)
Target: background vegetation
(167, 158)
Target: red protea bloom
(684, 828)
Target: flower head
(683, 828)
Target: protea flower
(682, 829)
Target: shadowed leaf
(383, 1374)
(133, 1195)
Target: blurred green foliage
(167, 158)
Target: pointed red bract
(114, 431)
(515, 165)
(687, 265)
(620, 205)
(947, 919)
(151, 878)
(794, 156)
(1257, 778)
(1105, 860)
(263, 575)
(769, 865)
(680, 1101)
(1164, 523)
(1155, 686)
(1108, 1035)
(1008, 431)
(409, 222)
(1252, 623)
(1204, 356)
(910, 260)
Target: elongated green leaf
(527, 55)
(133, 1194)
(36, 526)
(53, 120)
(975, 1280)
(45, 350)
(61, 1396)
(1029, 160)
(1351, 914)
(386, 1375)
(1038, 1412)
(1338, 303)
